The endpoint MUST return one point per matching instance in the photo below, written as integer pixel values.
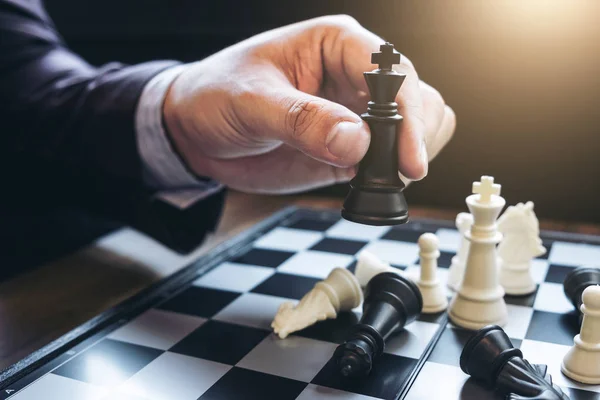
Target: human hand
(279, 112)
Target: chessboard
(204, 333)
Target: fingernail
(342, 140)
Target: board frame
(46, 358)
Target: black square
(312, 224)
(548, 245)
(199, 301)
(341, 246)
(437, 318)
(557, 273)
(220, 341)
(553, 328)
(264, 257)
(286, 285)
(241, 383)
(526, 300)
(580, 394)
(450, 345)
(388, 376)
(403, 234)
(445, 259)
(119, 362)
(331, 330)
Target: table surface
(45, 303)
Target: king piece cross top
(486, 188)
(386, 57)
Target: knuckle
(340, 22)
(301, 114)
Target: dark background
(522, 76)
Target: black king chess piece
(375, 196)
(391, 301)
(490, 357)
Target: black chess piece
(490, 357)
(575, 283)
(375, 196)
(391, 302)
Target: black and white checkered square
(212, 339)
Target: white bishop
(339, 292)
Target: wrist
(174, 127)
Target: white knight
(520, 244)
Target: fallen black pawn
(391, 302)
(490, 357)
(576, 282)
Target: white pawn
(368, 265)
(432, 291)
(521, 244)
(340, 291)
(582, 362)
(464, 221)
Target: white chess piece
(368, 265)
(520, 244)
(340, 291)
(582, 362)
(432, 291)
(480, 299)
(464, 221)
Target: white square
(519, 318)
(344, 229)
(294, 357)
(175, 377)
(450, 239)
(288, 239)
(412, 340)
(234, 277)
(157, 329)
(123, 396)
(317, 264)
(55, 387)
(312, 392)
(552, 355)
(252, 309)
(550, 297)
(575, 254)
(394, 252)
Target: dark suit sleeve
(68, 134)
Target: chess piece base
(582, 365)
(434, 299)
(517, 280)
(462, 311)
(365, 205)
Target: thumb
(320, 128)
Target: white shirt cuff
(162, 166)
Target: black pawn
(490, 357)
(391, 302)
(575, 283)
(375, 196)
